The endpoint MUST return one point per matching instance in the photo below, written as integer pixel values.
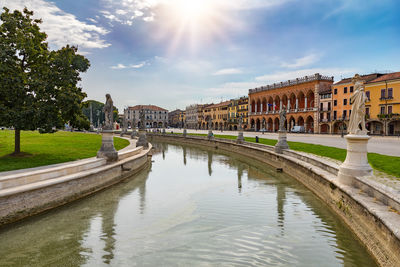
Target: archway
(394, 128)
(324, 128)
(264, 105)
(301, 100)
(270, 103)
(235, 128)
(270, 125)
(276, 124)
(258, 125)
(310, 99)
(258, 106)
(292, 123)
(300, 121)
(253, 106)
(292, 100)
(376, 127)
(309, 125)
(252, 124)
(277, 103)
(285, 101)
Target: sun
(193, 11)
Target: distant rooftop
(387, 77)
(149, 107)
(366, 78)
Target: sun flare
(193, 10)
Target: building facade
(325, 111)
(174, 118)
(383, 105)
(155, 117)
(341, 107)
(300, 98)
(194, 116)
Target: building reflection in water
(240, 174)
(184, 155)
(210, 159)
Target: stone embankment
(30, 191)
(369, 208)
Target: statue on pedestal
(357, 100)
(282, 119)
(108, 112)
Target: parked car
(298, 129)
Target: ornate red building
(299, 96)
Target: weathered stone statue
(282, 119)
(134, 133)
(210, 133)
(108, 112)
(282, 142)
(356, 162)
(107, 149)
(240, 138)
(357, 100)
(142, 141)
(184, 128)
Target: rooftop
(148, 107)
(366, 78)
(387, 77)
(305, 79)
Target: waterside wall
(28, 192)
(371, 211)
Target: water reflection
(181, 212)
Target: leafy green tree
(38, 88)
(97, 108)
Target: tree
(97, 108)
(38, 87)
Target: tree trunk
(17, 147)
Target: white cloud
(131, 66)
(289, 75)
(228, 71)
(301, 62)
(62, 28)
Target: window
(344, 114)
(335, 103)
(322, 106)
(390, 92)
(382, 110)
(367, 94)
(390, 109)
(351, 89)
(335, 91)
(345, 90)
(329, 106)
(382, 93)
(367, 111)
(345, 101)
(321, 116)
(334, 115)
(328, 115)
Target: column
(288, 105)
(305, 102)
(255, 108)
(273, 105)
(273, 126)
(280, 105)
(250, 110)
(297, 103)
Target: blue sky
(173, 53)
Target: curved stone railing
(30, 191)
(371, 210)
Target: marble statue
(240, 121)
(108, 112)
(357, 100)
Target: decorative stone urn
(356, 163)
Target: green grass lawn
(45, 149)
(387, 164)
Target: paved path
(386, 145)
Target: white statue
(108, 111)
(357, 100)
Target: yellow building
(243, 110)
(383, 107)
(218, 114)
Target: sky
(173, 53)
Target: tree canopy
(39, 88)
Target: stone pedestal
(282, 142)
(210, 135)
(184, 132)
(356, 163)
(107, 149)
(240, 138)
(163, 131)
(142, 141)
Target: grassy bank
(387, 164)
(45, 149)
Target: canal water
(192, 207)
